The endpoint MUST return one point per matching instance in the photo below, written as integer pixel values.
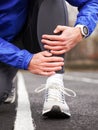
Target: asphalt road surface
(25, 113)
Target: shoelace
(66, 91)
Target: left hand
(59, 44)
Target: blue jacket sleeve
(12, 55)
(88, 15)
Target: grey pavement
(84, 107)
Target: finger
(53, 43)
(46, 53)
(52, 37)
(42, 72)
(59, 52)
(53, 64)
(50, 69)
(59, 28)
(54, 59)
(54, 48)
(47, 73)
(62, 51)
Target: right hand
(43, 63)
(68, 38)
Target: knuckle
(63, 38)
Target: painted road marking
(24, 119)
(83, 79)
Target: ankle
(56, 78)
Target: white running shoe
(55, 105)
(12, 95)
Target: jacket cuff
(24, 59)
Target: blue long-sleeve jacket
(12, 18)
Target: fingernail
(62, 59)
(42, 36)
(55, 31)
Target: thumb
(59, 28)
(46, 53)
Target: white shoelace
(66, 91)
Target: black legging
(43, 17)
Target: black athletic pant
(43, 17)
(7, 73)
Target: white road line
(24, 119)
(83, 79)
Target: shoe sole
(56, 112)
